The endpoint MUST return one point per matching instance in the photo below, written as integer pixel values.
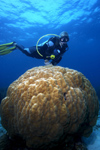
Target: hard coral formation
(48, 106)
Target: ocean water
(25, 21)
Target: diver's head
(64, 36)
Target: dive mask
(64, 39)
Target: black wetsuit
(46, 51)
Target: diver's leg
(36, 53)
(31, 51)
(25, 50)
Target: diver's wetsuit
(51, 47)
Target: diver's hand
(46, 62)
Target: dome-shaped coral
(48, 105)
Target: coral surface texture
(49, 105)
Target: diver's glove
(46, 62)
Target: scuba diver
(51, 51)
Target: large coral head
(49, 105)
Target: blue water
(25, 21)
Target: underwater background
(25, 21)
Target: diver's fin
(7, 48)
(7, 44)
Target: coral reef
(49, 106)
